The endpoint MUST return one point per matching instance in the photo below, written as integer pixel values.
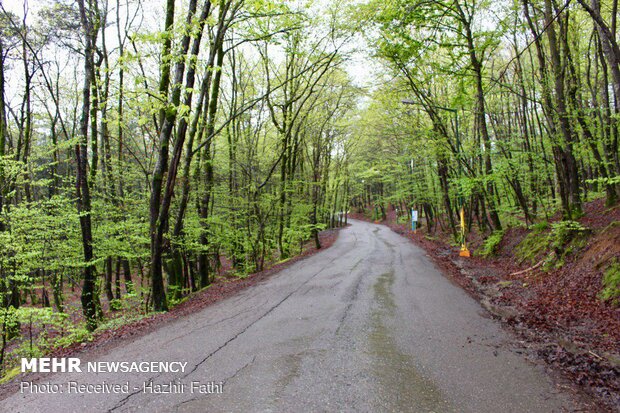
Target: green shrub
(118, 322)
(564, 238)
(489, 246)
(78, 334)
(611, 283)
(563, 232)
(403, 219)
(533, 244)
(116, 305)
(30, 349)
(540, 226)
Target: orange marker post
(464, 251)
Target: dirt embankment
(547, 289)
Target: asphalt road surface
(368, 325)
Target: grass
(490, 245)
(9, 374)
(558, 241)
(611, 283)
(533, 244)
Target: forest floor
(124, 325)
(556, 312)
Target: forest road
(368, 325)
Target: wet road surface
(368, 325)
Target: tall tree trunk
(564, 150)
(205, 202)
(108, 279)
(90, 297)
(3, 135)
(161, 197)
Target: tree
(90, 297)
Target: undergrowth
(559, 240)
(533, 244)
(490, 245)
(611, 283)
(35, 332)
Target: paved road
(368, 325)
